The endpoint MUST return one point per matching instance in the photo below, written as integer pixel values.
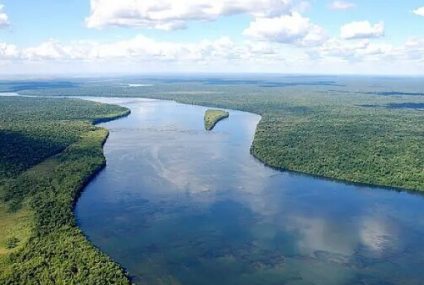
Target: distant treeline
(322, 129)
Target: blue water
(179, 205)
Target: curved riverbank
(57, 251)
(334, 179)
(162, 135)
(174, 196)
(331, 135)
(284, 149)
(258, 151)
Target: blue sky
(143, 36)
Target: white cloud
(342, 5)
(413, 50)
(419, 11)
(45, 51)
(174, 14)
(362, 30)
(141, 49)
(144, 54)
(8, 51)
(273, 20)
(4, 19)
(355, 51)
(289, 29)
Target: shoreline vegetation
(321, 130)
(43, 244)
(213, 116)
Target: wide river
(179, 205)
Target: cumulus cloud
(144, 54)
(413, 50)
(289, 29)
(342, 5)
(8, 51)
(362, 30)
(45, 51)
(174, 14)
(419, 11)
(273, 20)
(356, 51)
(4, 19)
(140, 48)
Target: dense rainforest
(49, 149)
(356, 129)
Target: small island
(212, 117)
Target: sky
(88, 37)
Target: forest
(348, 128)
(49, 150)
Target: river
(179, 205)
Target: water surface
(179, 205)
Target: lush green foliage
(383, 150)
(54, 251)
(367, 130)
(33, 129)
(212, 117)
(15, 230)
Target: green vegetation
(15, 230)
(364, 130)
(212, 117)
(33, 129)
(40, 242)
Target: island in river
(212, 117)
